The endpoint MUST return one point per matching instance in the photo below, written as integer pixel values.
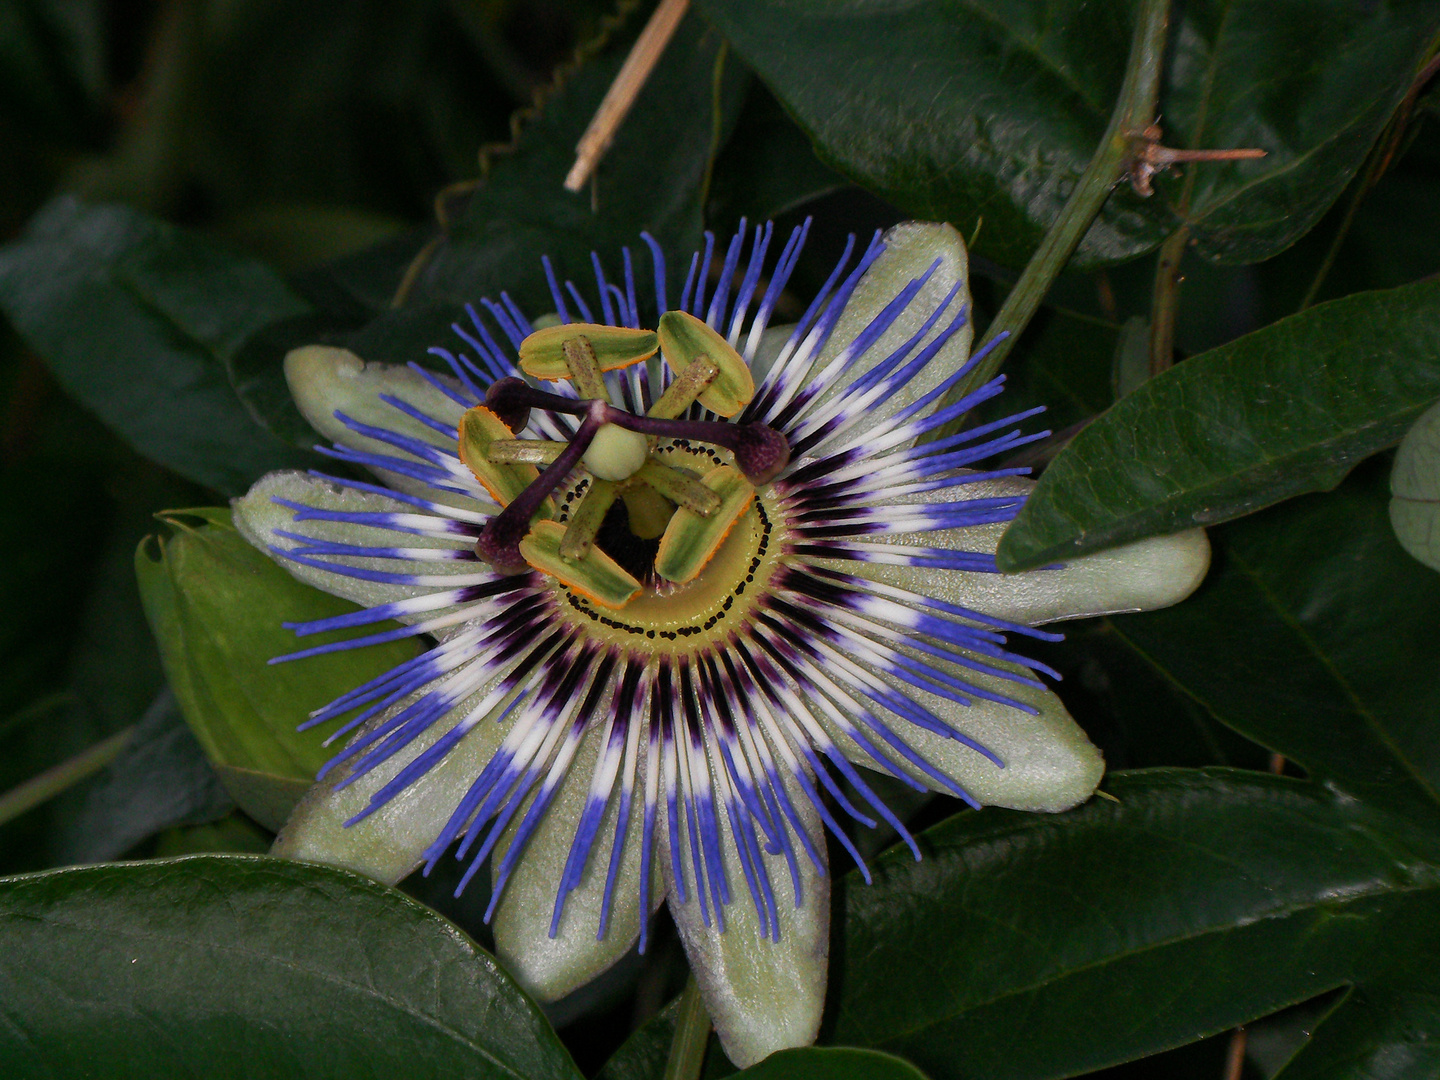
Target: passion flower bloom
(674, 585)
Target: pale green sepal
(691, 539)
(1415, 487)
(595, 575)
(762, 995)
(216, 607)
(388, 844)
(910, 249)
(684, 339)
(1050, 763)
(325, 380)
(549, 968)
(1148, 574)
(257, 518)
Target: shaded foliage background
(187, 190)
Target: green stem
(1134, 111)
(692, 1032)
(67, 774)
(1165, 301)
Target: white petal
(1050, 763)
(549, 968)
(257, 517)
(388, 844)
(325, 380)
(762, 995)
(1148, 574)
(910, 249)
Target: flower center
(686, 618)
(627, 465)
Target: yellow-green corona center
(686, 618)
(655, 521)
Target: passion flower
(679, 582)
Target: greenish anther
(585, 523)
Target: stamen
(549, 353)
(685, 340)
(586, 521)
(595, 575)
(584, 368)
(526, 451)
(679, 488)
(690, 540)
(499, 542)
(688, 386)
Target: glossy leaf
(248, 966)
(960, 111)
(1198, 901)
(216, 606)
(1279, 412)
(1314, 635)
(136, 318)
(768, 168)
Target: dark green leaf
(768, 168)
(234, 966)
(837, 1063)
(1031, 946)
(105, 295)
(1314, 635)
(1384, 1035)
(957, 111)
(161, 779)
(217, 606)
(643, 1055)
(234, 834)
(652, 179)
(1279, 412)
